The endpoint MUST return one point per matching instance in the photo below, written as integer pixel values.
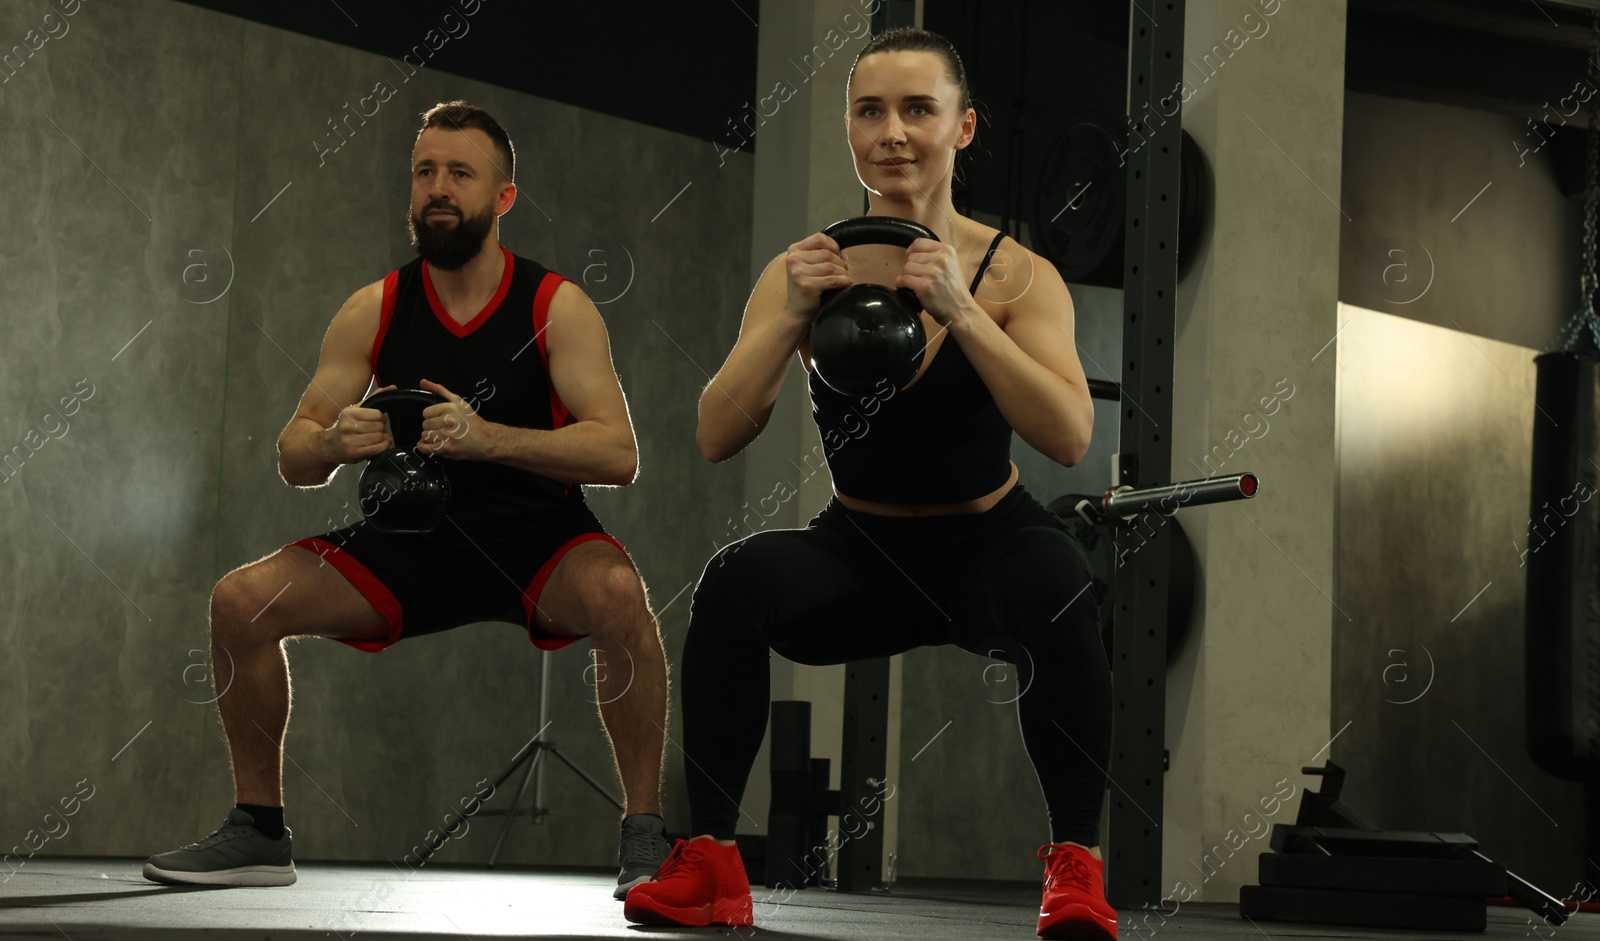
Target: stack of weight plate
(1373, 878)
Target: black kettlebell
(867, 334)
(402, 491)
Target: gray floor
(106, 900)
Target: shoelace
(645, 847)
(680, 860)
(1064, 868)
(226, 832)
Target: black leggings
(1007, 584)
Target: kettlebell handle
(877, 230)
(403, 407)
(391, 400)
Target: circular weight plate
(1081, 201)
(1098, 544)
(1194, 200)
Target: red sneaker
(701, 883)
(1074, 903)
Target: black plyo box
(1363, 909)
(1292, 838)
(1384, 874)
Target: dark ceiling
(1506, 56)
(686, 65)
(681, 65)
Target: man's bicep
(344, 368)
(579, 352)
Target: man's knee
(237, 605)
(615, 599)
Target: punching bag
(1563, 567)
(1562, 637)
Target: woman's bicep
(1041, 323)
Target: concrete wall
(1435, 444)
(155, 137)
(1471, 256)
(1448, 226)
(1248, 699)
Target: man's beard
(448, 246)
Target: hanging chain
(1582, 331)
(1591, 202)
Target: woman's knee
(1043, 550)
(735, 574)
(742, 558)
(734, 601)
(1035, 588)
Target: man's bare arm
(329, 428)
(597, 446)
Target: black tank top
(497, 362)
(943, 440)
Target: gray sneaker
(237, 854)
(643, 849)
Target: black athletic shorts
(424, 583)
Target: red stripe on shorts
(365, 582)
(530, 597)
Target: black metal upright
(1150, 278)
(863, 767)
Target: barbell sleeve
(1126, 501)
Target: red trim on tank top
(449, 323)
(391, 289)
(541, 317)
